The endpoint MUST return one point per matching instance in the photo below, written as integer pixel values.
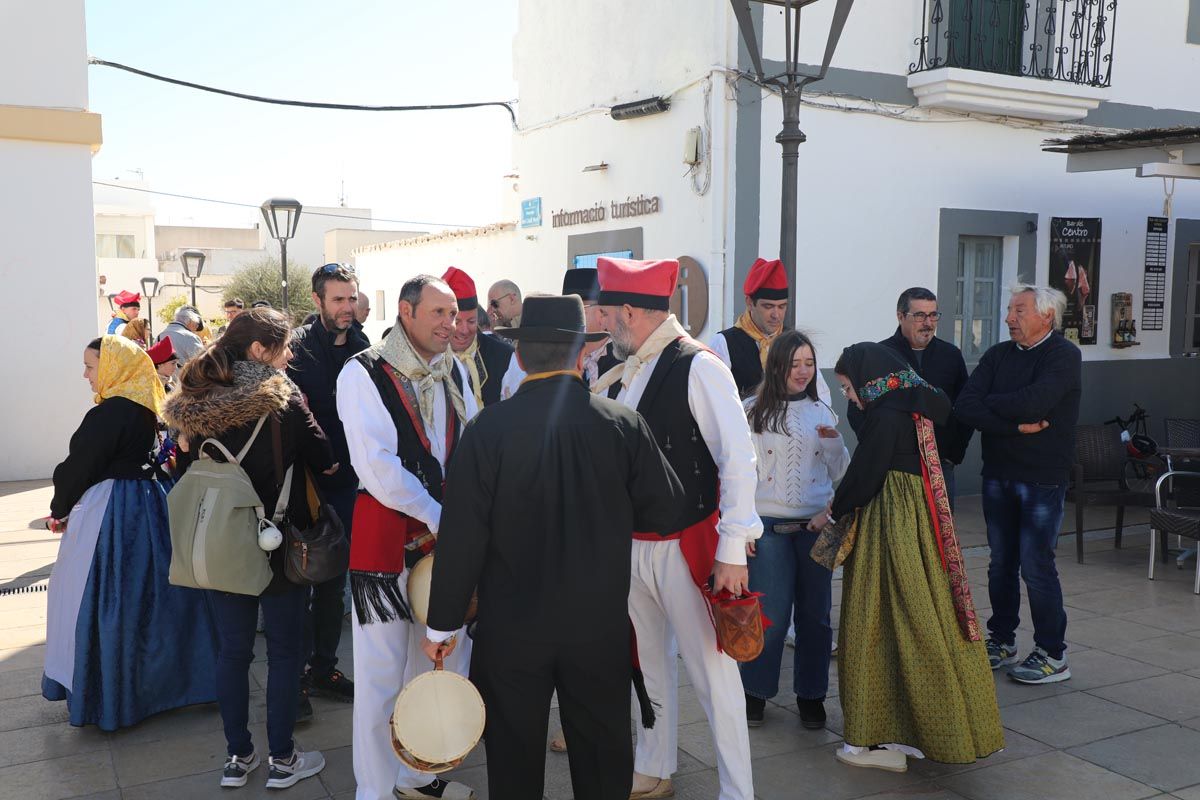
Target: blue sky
(443, 166)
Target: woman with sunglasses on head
(800, 454)
(913, 672)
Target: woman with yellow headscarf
(121, 642)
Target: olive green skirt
(907, 674)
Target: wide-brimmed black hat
(551, 319)
(583, 281)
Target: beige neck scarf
(746, 323)
(475, 369)
(655, 343)
(398, 351)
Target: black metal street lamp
(282, 215)
(790, 82)
(149, 290)
(193, 267)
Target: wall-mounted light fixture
(601, 167)
(640, 108)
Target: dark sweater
(114, 440)
(1013, 386)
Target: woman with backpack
(121, 642)
(223, 394)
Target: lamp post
(790, 82)
(282, 215)
(193, 267)
(149, 290)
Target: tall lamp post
(282, 215)
(193, 267)
(149, 290)
(790, 82)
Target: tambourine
(420, 579)
(437, 721)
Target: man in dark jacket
(1024, 398)
(939, 362)
(321, 349)
(543, 493)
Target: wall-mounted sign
(689, 304)
(1075, 270)
(531, 212)
(1154, 281)
(616, 209)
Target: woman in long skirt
(121, 643)
(912, 668)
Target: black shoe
(334, 686)
(812, 713)
(304, 709)
(754, 711)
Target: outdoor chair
(1182, 433)
(1098, 478)
(1176, 510)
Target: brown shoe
(661, 789)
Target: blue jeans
(236, 616)
(794, 587)
(323, 629)
(1022, 527)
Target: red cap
(767, 281)
(127, 298)
(642, 284)
(463, 287)
(162, 352)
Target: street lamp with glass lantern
(282, 215)
(193, 267)
(790, 82)
(149, 290)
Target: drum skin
(437, 720)
(420, 581)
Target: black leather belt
(790, 526)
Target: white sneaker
(237, 768)
(285, 773)
(446, 790)
(890, 760)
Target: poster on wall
(1075, 271)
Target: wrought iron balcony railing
(1059, 40)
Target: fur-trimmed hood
(257, 389)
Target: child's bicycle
(1144, 466)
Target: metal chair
(1098, 478)
(1168, 516)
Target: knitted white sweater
(796, 471)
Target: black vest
(744, 362)
(495, 355)
(411, 451)
(664, 405)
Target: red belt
(697, 542)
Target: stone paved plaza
(1126, 726)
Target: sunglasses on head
(329, 269)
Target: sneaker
(890, 760)
(335, 686)
(754, 711)
(812, 713)
(290, 771)
(237, 768)
(1000, 654)
(447, 790)
(1039, 667)
(304, 709)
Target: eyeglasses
(495, 304)
(329, 269)
(921, 316)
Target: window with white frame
(976, 300)
(116, 245)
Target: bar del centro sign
(616, 209)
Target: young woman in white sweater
(800, 455)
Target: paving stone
(188, 721)
(20, 683)
(1093, 668)
(1054, 775)
(1016, 747)
(1173, 696)
(30, 712)
(1010, 692)
(1162, 757)
(1074, 719)
(328, 731)
(22, 657)
(49, 741)
(1101, 631)
(207, 785)
(1176, 651)
(919, 791)
(786, 776)
(1191, 793)
(1181, 617)
(338, 775)
(175, 757)
(52, 779)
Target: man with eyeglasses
(937, 361)
(504, 304)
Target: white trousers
(386, 656)
(671, 617)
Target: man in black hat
(540, 501)
(598, 357)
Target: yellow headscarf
(126, 371)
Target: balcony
(1042, 59)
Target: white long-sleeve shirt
(373, 442)
(512, 378)
(713, 401)
(796, 470)
(720, 346)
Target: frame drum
(420, 580)
(437, 720)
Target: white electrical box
(691, 147)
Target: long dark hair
(214, 366)
(769, 412)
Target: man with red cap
(744, 347)
(486, 358)
(166, 362)
(129, 305)
(690, 400)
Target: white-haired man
(182, 333)
(1024, 399)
